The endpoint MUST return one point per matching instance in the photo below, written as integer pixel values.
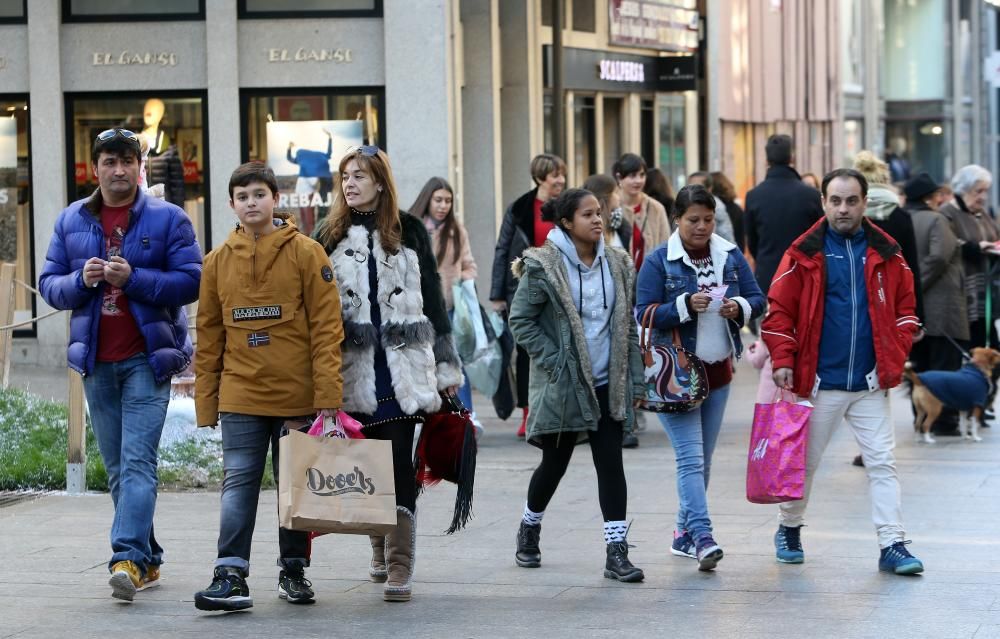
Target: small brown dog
(965, 390)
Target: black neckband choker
(354, 210)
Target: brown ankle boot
(399, 553)
(376, 569)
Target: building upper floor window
(582, 15)
(309, 8)
(131, 10)
(13, 11)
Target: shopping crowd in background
(837, 281)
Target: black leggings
(401, 436)
(606, 449)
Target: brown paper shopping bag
(333, 485)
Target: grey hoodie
(596, 302)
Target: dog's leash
(961, 350)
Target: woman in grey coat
(941, 279)
(572, 313)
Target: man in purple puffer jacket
(125, 264)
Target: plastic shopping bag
(776, 462)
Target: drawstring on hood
(595, 313)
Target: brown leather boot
(376, 569)
(400, 546)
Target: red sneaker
(524, 422)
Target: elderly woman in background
(976, 232)
(940, 278)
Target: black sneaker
(295, 588)
(629, 440)
(618, 567)
(528, 554)
(228, 591)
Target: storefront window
(15, 203)
(915, 146)
(673, 159)
(173, 128)
(308, 8)
(613, 125)
(854, 137)
(584, 139)
(647, 135)
(132, 10)
(302, 138)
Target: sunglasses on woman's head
(366, 150)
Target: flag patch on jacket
(246, 313)
(261, 338)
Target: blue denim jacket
(667, 278)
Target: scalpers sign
(668, 25)
(134, 58)
(310, 55)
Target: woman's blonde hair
(875, 170)
(387, 222)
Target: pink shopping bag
(776, 463)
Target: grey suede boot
(376, 569)
(400, 547)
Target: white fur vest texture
(406, 334)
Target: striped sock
(614, 531)
(530, 517)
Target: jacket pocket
(674, 286)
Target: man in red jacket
(839, 328)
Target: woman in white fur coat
(398, 354)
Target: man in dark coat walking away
(778, 210)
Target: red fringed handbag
(446, 451)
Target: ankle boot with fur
(400, 547)
(376, 569)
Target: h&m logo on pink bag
(759, 450)
(324, 485)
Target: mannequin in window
(152, 116)
(164, 164)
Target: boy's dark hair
(779, 149)
(117, 146)
(628, 164)
(563, 207)
(845, 173)
(253, 172)
(690, 195)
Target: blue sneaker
(709, 554)
(683, 545)
(897, 559)
(788, 545)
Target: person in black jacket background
(167, 169)
(884, 211)
(778, 210)
(524, 228)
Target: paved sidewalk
(53, 576)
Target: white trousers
(869, 416)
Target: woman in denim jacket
(679, 275)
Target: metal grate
(12, 497)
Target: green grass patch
(33, 440)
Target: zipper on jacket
(854, 316)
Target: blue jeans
(465, 391)
(245, 439)
(693, 435)
(127, 409)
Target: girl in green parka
(572, 313)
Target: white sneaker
(479, 428)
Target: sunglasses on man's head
(104, 136)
